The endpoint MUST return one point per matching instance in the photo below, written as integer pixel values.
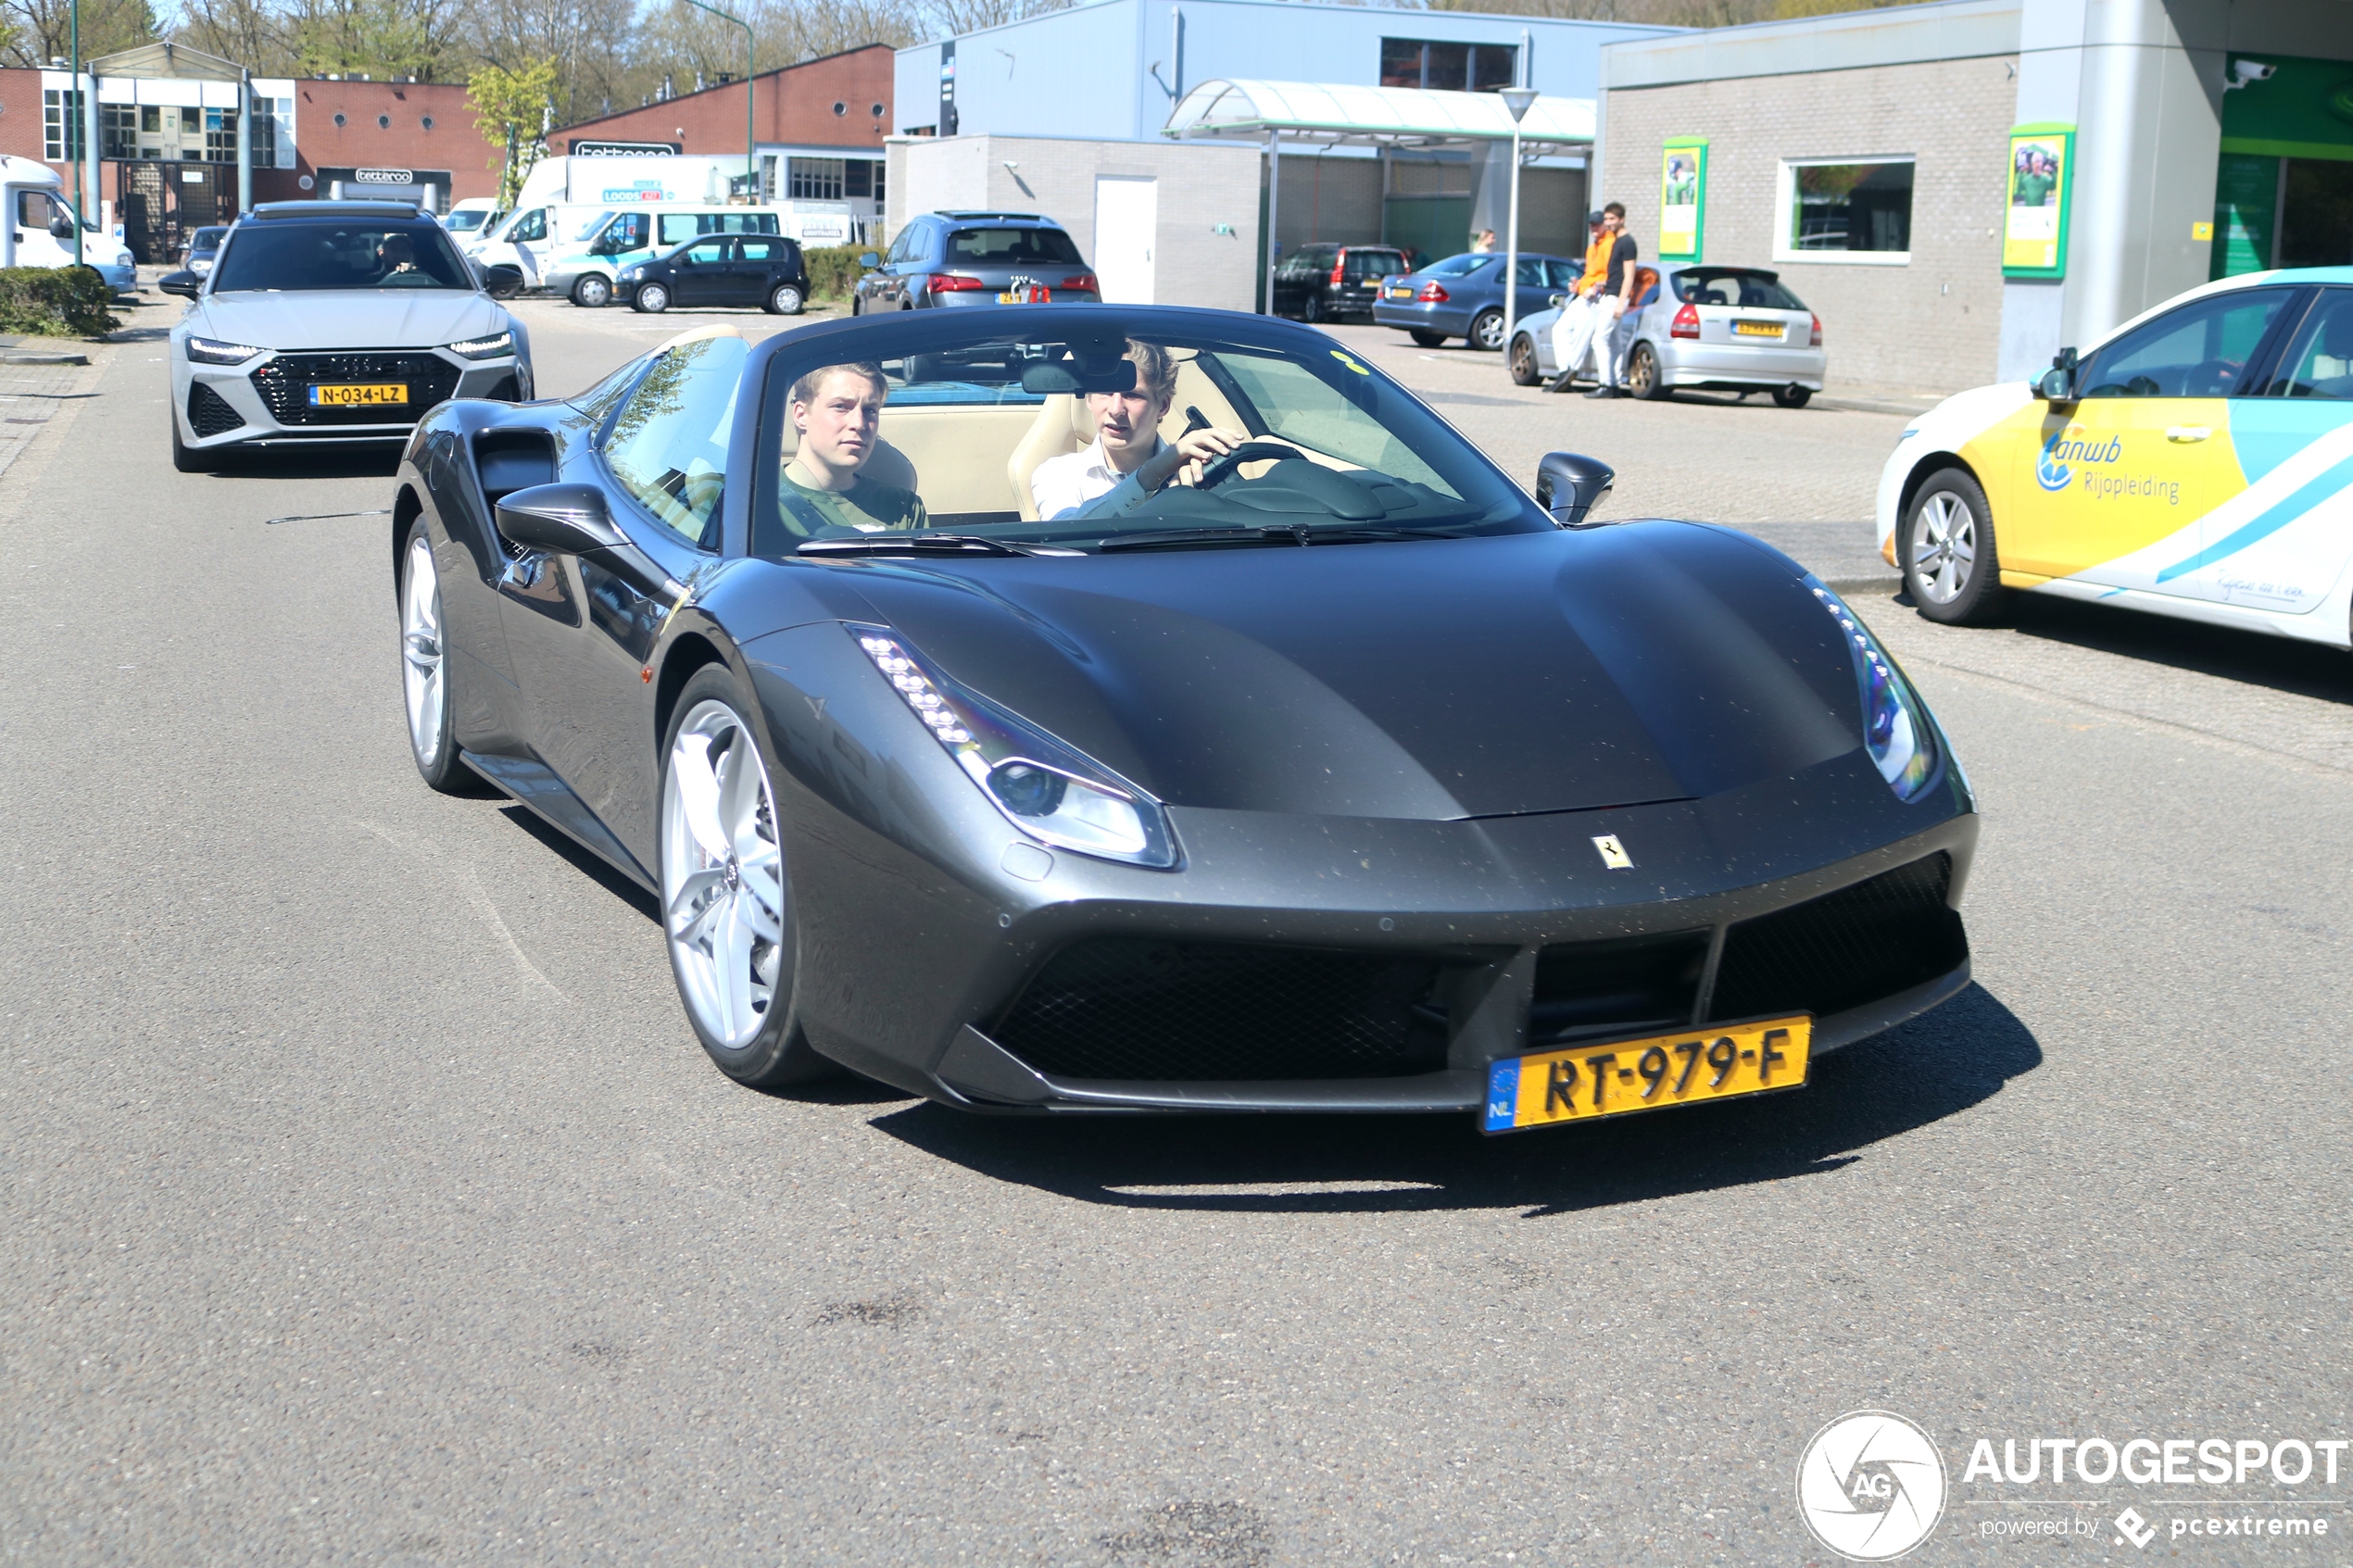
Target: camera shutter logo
(1870, 1486)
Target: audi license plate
(1756, 329)
(1035, 293)
(1617, 1077)
(357, 396)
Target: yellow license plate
(1401, 294)
(1617, 1077)
(1756, 329)
(1035, 294)
(357, 396)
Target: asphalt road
(367, 1199)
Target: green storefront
(2283, 191)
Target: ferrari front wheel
(1945, 548)
(424, 668)
(727, 892)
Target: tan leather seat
(1062, 426)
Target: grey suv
(942, 258)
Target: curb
(29, 359)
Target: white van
(472, 216)
(635, 234)
(530, 234)
(38, 231)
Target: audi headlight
(205, 351)
(485, 347)
(1896, 728)
(1047, 789)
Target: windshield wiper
(1285, 535)
(924, 544)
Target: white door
(1126, 220)
(31, 213)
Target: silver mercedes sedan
(334, 321)
(1707, 328)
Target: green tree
(513, 109)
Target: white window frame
(1785, 204)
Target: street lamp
(1516, 99)
(751, 161)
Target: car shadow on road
(1930, 1069)
(2251, 658)
(586, 862)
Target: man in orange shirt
(1574, 329)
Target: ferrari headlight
(1048, 790)
(1896, 729)
(485, 347)
(204, 351)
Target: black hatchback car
(1318, 282)
(763, 270)
(953, 258)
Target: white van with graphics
(38, 231)
(635, 234)
(530, 234)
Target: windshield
(281, 255)
(1010, 247)
(1288, 441)
(1722, 285)
(207, 239)
(1460, 266)
(467, 222)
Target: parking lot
(369, 1199)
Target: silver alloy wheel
(592, 293)
(786, 299)
(722, 883)
(421, 652)
(1487, 330)
(653, 298)
(1944, 546)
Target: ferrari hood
(1440, 679)
(300, 318)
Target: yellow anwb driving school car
(2197, 461)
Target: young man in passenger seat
(837, 412)
(1128, 463)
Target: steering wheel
(1223, 469)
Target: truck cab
(39, 227)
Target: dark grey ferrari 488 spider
(1091, 708)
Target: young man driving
(837, 409)
(1128, 462)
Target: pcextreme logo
(1870, 1486)
(2052, 470)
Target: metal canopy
(1340, 115)
(164, 61)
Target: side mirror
(1569, 483)
(869, 260)
(502, 281)
(1558, 301)
(183, 283)
(2057, 384)
(61, 227)
(571, 519)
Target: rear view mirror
(1569, 483)
(571, 519)
(502, 282)
(183, 284)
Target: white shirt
(1065, 486)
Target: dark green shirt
(2033, 190)
(866, 507)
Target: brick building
(817, 127)
(167, 140)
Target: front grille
(1846, 948)
(208, 412)
(1592, 987)
(1131, 1008)
(285, 382)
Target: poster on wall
(2034, 212)
(1682, 196)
